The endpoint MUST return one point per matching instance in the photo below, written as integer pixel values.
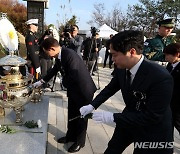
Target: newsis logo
(153, 145)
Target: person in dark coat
(108, 54)
(80, 89)
(172, 56)
(146, 89)
(75, 40)
(32, 46)
(91, 48)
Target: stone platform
(24, 142)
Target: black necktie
(170, 68)
(128, 79)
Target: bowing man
(80, 89)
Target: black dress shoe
(62, 140)
(75, 148)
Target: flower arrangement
(8, 34)
(29, 124)
(33, 124)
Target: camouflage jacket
(153, 48)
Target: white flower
(39, 123)
(8, 36)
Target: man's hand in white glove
(38, 70)
(38, 83)
(86, 110)
(103, 117)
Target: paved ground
(98, 135)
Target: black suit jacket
(77, 79)
(175, 102)
(147, 112)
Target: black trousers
(46, 65)
(176, 119)
(107, 54)
(123, 137)
(76, 129)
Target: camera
(67, 29)
(48, 31)
(94, 30)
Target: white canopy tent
(106, 31)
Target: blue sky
(81, 8)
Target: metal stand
(52, 88)
(92, 67)
(61, 85)
(98, 77)
(18, 114)
(37, 95)
(2, 111)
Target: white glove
(38, 70)
(103, 117)
(86, 110)
(37, 84)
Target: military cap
(32, 21)
(167, 22)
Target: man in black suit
(80, 89)
(172, 55)
(146, 89)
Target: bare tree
(143, 16)
(98, 15)
(146, 15)
(115, 18)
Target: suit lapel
(140, 75)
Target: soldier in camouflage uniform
(153, 48)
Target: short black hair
(76, 26)
(49, 43)
(172, 49)
(126, 40)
